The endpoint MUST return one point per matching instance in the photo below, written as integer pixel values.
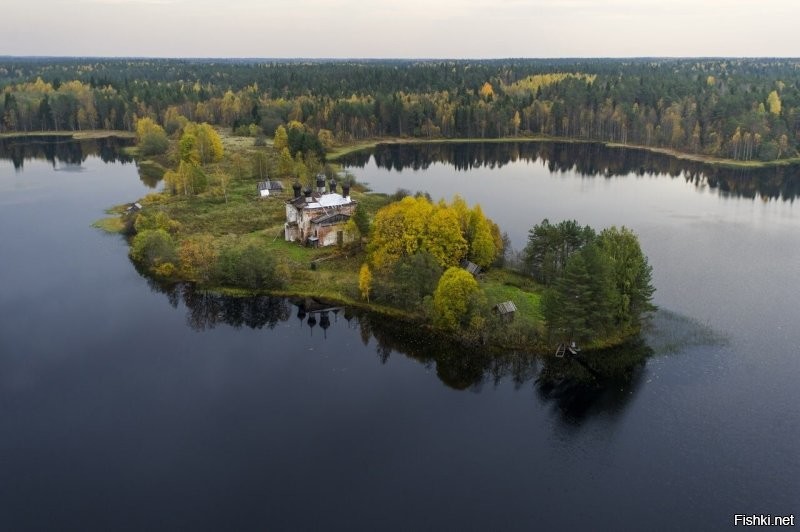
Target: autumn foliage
(448, 232)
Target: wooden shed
(471, 267)
(269, 188)
(506, 310)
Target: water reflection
(66, 152)
(590, 383)
(205, 310)
(588, 160)
(586, 384)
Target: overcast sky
(400, 28)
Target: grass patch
(237, 144)
(503, 285)
(110, 225)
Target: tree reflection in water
(63, 150)
(70, 153)
(595, 382)
(587, 160)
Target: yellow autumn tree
(281, 139)
(151, 138)
(774, 102)
(516, 121)
(202, 143)
(487, 91)
(443, 237)
(285, 163)
(415, 224)
(479, 235)
(457, 301)
(365, 281)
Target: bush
(154, 143)
(250, 267)
(153, 248)
(151, 137)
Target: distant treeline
(743, 109)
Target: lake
(129, 406)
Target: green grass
(110, 225)
(528, 303)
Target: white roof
(330, 200)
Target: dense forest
(741, 109)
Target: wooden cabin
(505, 310)
(269, 188)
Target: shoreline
(351, 147)
(535, 349)
(93, 134)
(346, 149)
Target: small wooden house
(269, 188)
(506, 310)
(471, 267)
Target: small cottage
(269, 188)
(471, 267)
(505, 310)
(317, 218)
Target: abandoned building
(317, 217)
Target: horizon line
(397, 58)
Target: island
(241, 216)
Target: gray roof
(471, 267)
(506, 307)
(270, 185)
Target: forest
(739, 109)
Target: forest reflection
(587, 160)
(64, 151)
(595, 382)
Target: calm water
(126, 408)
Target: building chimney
(307, 193)
(345, 189)
(297, 188)
(321, 183)
(332, 185)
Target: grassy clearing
(235, 144)
(504, 285)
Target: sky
(400, 28)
